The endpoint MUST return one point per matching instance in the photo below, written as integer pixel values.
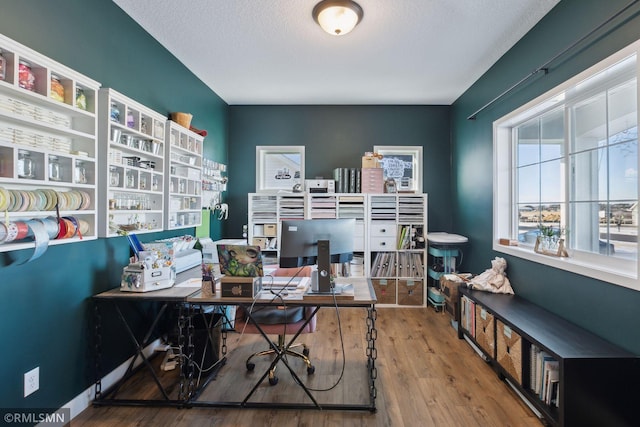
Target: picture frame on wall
(403, 164)
(279, 168)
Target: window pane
(589, 175)
(552, 132)
(529, 184)
(552, 181)
(529, 217)
(584, 233)
(589, 123)
(623, 171)
(528, 143)
(619, 229)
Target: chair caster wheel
(305, 351)
(273, 380)
(311, 369)
(251, 366)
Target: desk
(364, 297)
(171, 298)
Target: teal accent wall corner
(605, 309)
(46, 304)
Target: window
(568, 161)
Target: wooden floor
(426, 377)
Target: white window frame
(614, 270)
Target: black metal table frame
(371, 354)
(185, 317)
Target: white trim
(615, 271)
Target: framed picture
(279, 167)
(404, 165)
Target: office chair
(280, 321)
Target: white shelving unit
(48, 149)
(184, 178)
(385, 244)
(132, 144)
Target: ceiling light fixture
(337, 17)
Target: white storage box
(136, 278)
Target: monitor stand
(321, 279)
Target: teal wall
(609, 311)
(338, 136)
(45, 304)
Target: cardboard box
(385, 290)
(449, 284)
(451, 308)
(270, 230)
(410, 292)
(370, 162)
(261, 242)
(240, 287)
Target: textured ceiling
(273, 52)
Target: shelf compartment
(385, 290)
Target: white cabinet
(48, 150)
(132, 146)
(387, 244)
(184, 178)
(396, 254)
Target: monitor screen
(299, 240)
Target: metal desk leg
(372, 354)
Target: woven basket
(183, 119)
(509, 351)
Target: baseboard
(84, 399)
(476, 349)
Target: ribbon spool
(3, 232)
(51, 226)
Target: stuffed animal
(494, 279)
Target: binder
(352, 180)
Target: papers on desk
(290, 283)
(284, 288)
(191, 278)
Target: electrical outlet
(31, 381)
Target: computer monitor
(317, 241)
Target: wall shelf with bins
(214, 182)
(48, 148)
(132, 142)
(184, 178)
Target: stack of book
(544, 376)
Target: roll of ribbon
(3, 232)
(51, 226)
(62, 228)
(38, 230)
(23, 230)
(12, 232)
(72, 227)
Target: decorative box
(240, 287)
(136, 278)
(449, 284)
(270, 230)
(370, 162)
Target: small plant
(550, 231)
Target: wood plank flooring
(426, 377)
